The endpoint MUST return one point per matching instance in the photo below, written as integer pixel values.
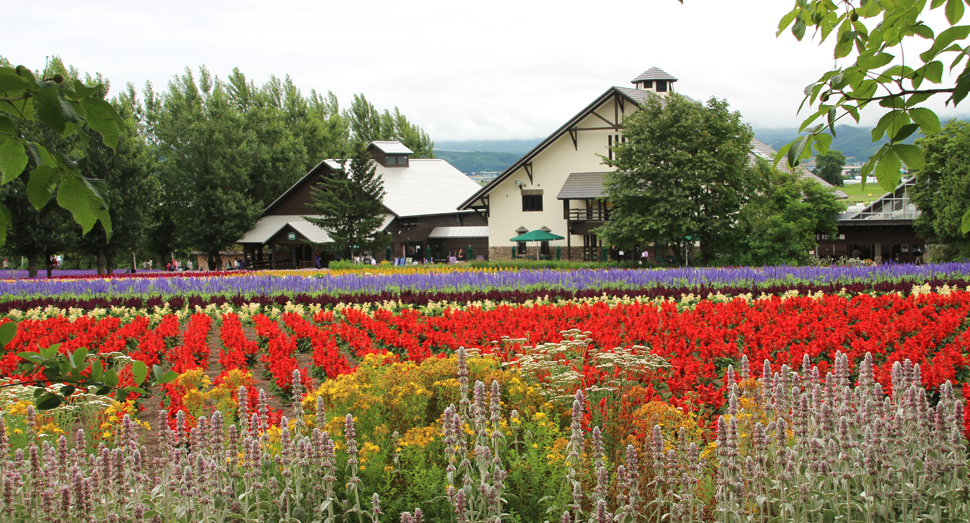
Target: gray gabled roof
(762, 150)
(895, 205)
(654, 73)
(637, 96)
(582, 186)
(390, 147)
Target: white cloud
(497, 70)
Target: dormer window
(397, 160)
(661, 86)
(647, 85)
(390, 153)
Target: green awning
(537, 236)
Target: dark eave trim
(294, 186)
(527, 158)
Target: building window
(397, 160)
(531, 203)
(648, 84)
(611, 140)
(661, 86)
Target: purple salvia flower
(733, 404)
(7, 491)
(297, 395)
(478, 404)
(215, 426)
(286, 446)
(375, 506)
(458, 501)
(61, 455)
(321, 413)
(47, 499)
(65, 508)
(350, 434)
(180, 427)
(242, 400)
(576, 439)
(602, 515)
(722, 437)
(464, 402)
(597, 440)
(495, 404)
(956, 422)
(34, 460)
(4, 441)
(31, 420)
(781, 432)
(262, 405)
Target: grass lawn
(857, 193)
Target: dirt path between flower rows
(152, 406)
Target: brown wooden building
(421, 201)
(881, 231)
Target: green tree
(130, 175)
(873, 70)
(37, 235)
(681, 172)
(779, 223)
(204, 156)
(942, 189)
(828, 166)
(278, 158)
(58, 101)
(349, 202)
(368, 124)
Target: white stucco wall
(550, 169)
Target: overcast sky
(500, 69)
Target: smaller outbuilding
(421, 201)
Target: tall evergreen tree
(205, 154)
(942, 190)
(368, 124)
(131, 178)
(278, 158)
(349, 202)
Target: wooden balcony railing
(595, 215)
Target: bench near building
(421, 206)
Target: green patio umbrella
(537, 235)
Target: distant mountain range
(854, 142)
(497, 155)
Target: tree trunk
(678, 251)
(109, 260)
(32, 265)
(50, 266)
(99, 262)
(211, 262)
(218, 258)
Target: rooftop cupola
(390, 153)
(656, 80)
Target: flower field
(744, 394)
